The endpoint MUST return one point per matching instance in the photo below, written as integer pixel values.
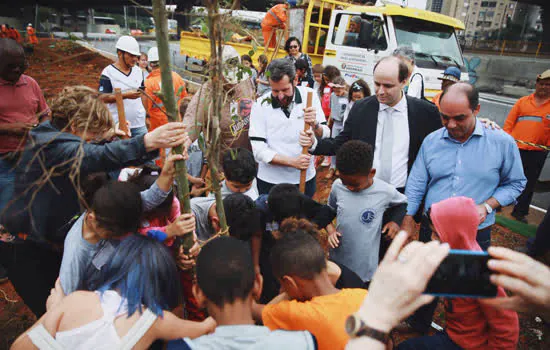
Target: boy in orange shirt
(299, 263)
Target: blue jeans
(439, 341)
(311, 186)
(142, 130)
(7, 182)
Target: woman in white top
(126, 312)
(415, 88)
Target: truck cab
(359, 36)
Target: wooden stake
(305, 149)
(122, 124)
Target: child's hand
(187, 261)
(196, 181)
(166, 178)
(390, 230)
(56, 295)
(333, 239)
(209, 325)
(183, 224)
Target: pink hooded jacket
(470, 323)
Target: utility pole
(125, 18)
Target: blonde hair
(80, 107)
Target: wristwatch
(355, 327)
(488, 207)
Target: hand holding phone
(463, 274)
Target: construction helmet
(29, 25)
(128, 44)
(231, 61)
(153, 54)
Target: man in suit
(393, 123)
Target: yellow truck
(323, 27)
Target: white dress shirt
(400, 152)
(272, 132)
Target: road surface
(494, 107)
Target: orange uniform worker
(274, 19)
(450, 76)
(153, 85)
(31, 35)
(529, 120)
(4, 31)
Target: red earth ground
(56, 64)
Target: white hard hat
(230, 71)
(128, 44)
(153, 54)
(29, 25)
(229, 52)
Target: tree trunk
(169, 100)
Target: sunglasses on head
(356, 87)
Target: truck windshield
(435, 44)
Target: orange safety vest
(152, 86)
(529, 122)
(31, 36)
(275, 18)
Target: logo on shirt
(367, 216)
(240, 114)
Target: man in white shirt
(127, 76)
(275, 125)
(415, 88)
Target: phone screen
(463, 273)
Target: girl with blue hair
(127, 311)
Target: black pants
(32, 269)
(533, 162)
(540, 244)
(311, 186)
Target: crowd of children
(286, 271)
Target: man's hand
(391, 229)
(186, 262)
(15, 128)
(310, 116)
(333, 240)
(482, 211)
(306, 138)
(488, 123)
(131, 95)
(408, 224)
(526, 278)
(167, 136)
(56, 295)
(184, 224)
(302, 161)
(396, 288)
(119, 132)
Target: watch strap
(366, 331)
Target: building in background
(486, 19)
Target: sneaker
(520, 218)
(3, 275)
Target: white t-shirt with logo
(112, 78)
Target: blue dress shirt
(484, 166)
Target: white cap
(153, 54)
(128, 44)
(29, 25)
(230, 72)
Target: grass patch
(517, 226)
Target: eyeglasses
(293, 47)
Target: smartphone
(463, 274)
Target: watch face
(351, 324)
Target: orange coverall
(31, 36)
(274, 19)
